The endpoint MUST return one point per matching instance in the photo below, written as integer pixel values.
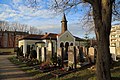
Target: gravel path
(9, 71)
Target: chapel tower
(64, 24)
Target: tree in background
(15, 26)
(87, 41)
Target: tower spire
(64, 24)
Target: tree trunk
(103, 55)
(102, 13)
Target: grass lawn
(81, 74)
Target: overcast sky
(43, 18)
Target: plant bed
(64, 71)
(47, 66)
(61, 72)
(32, 62)
(36, 67)
(51, 68)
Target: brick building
(9, 39)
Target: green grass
(81, 74)
(115, 71)
(15, 60)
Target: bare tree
(39, 31)
(102, 17)
(34, 30)
(15, 26)
(4, 25)
(25, 28)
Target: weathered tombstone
(43, 54)
(41, 51)
(50, 51)
(77, 54)
(91, 54)
(28, 51)
(85, 50)
(62, 55)
(72, 57)
(81, 54)
(38, 53)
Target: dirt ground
(9, 71)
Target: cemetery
(46, 70)
(33, 46)
(57, 55)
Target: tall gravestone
(81, 54)
(62, 55)
(38, 53)
(77, 53)
(50, 51)
(92, 54)
(72, 57)
(43, 54)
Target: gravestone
(85, 50)
(77, 53)
(38, 53)
(91, 54)
(81, 54)
(72, 57)
(60, 54)
(49, 53)
(43, 54)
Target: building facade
(9, 39)
(50, 43)
(115, 39)
(115, 36)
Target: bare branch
(89, 1)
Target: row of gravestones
(93, 53)
(78, 54)
(75, 55)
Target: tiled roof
(50, 36)
(40, 37)
(33, 37)
(78, 39)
